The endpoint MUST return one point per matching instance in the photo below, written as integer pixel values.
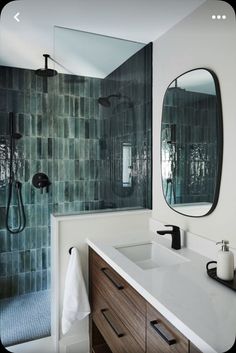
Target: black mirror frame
(220, 138)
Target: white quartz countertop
(201, 308)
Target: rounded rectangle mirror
(192, 143)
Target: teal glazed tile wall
(59, 121)
(189, 133)
(25, 257)
(64, 131)
(75, 145)
(128, 120)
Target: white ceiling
(88, 54)
(23, 43)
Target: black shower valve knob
(41, 181)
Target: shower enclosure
(24, 251)
(85, 145)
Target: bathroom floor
(25, 318)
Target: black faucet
(175, 233)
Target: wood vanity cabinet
(162, 336)
(118, 311)
(121, 320)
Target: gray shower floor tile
(25, 318)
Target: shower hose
(18, 189)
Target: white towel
(75, 304)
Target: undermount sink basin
(151, 255)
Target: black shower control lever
(175, 234)
(41, 181)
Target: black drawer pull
(112, 278)
(163, 332)
(110, 320)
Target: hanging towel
(75, 304)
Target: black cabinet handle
(106, 313)
(163, 332)
(112, 278)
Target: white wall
(199, 41)
(68, 231)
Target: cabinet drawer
(163, 337)
(99, 264)
(111, 327)
(127, 304)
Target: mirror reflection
(191, 143)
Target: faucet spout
(163, 232)
(175, 234)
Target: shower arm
(46, 56)
(115, 95)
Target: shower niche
(192, 143)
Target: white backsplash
(195, 242)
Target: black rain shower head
(46, 72)
(105, 101)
